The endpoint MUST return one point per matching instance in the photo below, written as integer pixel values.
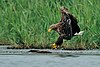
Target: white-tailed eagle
(66, 28)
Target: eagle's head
(64, 10)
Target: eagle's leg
(58, 43)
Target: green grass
(27, 21)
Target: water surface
(49, 61)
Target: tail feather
(80, 33)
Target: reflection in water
(64, 55)
(49, 61)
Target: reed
(27, 21)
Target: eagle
(67, 27)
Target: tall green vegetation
(27, 21)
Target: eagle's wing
(70, 24)
(74, 23)
(67, 27)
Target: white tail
(80, 33)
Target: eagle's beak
(49, 30)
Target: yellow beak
(49, 30)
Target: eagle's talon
(49, 30)
(54, 46)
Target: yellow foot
(54, 46)
(49, 30)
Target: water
(22, 58)
(43, 60)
